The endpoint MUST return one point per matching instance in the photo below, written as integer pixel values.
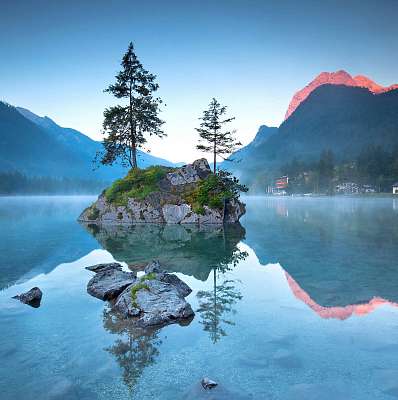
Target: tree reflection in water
(216, 305)
(134, 350)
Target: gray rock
(154, 266)
(208, 383)
(31, 297)
(163, 276)
(156, 304)
(174, 214)
(190, 173)
(108, 284)
(183, 289)
(104, 267)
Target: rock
(219, 392)
(104, 267)
(31, 297)
(174, 214)
(208, 383)
(156, 303)
(183, 289)
(154, 266)
(163, 276)
(190, 173)
(108, 284)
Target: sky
(57, 57)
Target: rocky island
(191, 194)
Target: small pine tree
(125, 126)
(213, 138)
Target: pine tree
(213, 138)
(125, 125)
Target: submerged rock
(31, 297)
(208, 383)
(170, 202)
(218, 392)
(109, 283)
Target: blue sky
(56, 57)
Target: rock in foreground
(155, 299)
(109, 283)
(191, 194)
(31, 297)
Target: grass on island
(137, 184)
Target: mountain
(342, 118)
(37, 146)
(263, 133)
(335, 78)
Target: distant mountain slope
(337, 117)
(37, 146)
(335, 78)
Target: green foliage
(126, 125)
(135, 289)
(213, 138)
(137, 184)
(373, 166)
(209, 192)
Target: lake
(299, 302)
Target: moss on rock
(137, 184)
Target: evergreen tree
(213, 138)
(125, 126)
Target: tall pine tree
(125, 126)
(213, 137)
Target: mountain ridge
(340, 77)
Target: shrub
(137, 184)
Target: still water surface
(300, 302)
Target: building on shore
(395, 188)
(279, 187)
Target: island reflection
(190, 249)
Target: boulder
(31, 297)
(104, 267)
(108, 284)
(155, 303)
(163, 276)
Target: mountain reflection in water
(338, 253)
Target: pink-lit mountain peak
(335, 78)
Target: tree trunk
(132, 132)
(214, 154)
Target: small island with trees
(191, 194)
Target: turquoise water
(300, 302)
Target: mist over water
(299, 302)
